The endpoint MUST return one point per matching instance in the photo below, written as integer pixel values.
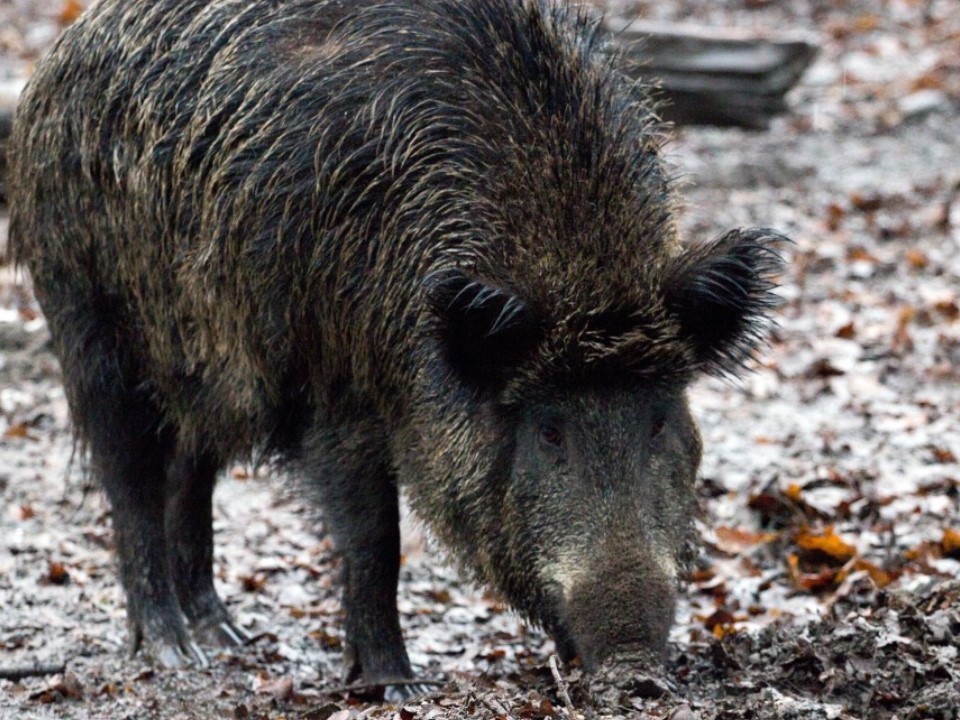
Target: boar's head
(556, 452)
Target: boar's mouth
(554, 622)
(626, 618)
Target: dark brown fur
(415, 242)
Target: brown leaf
(734, 541)
(537, 709)
(794, 492)
(823, 368)
(880, 578)
(835, 214)
(720, 622)
(948, 308)
(846, 332)
(793, 571)
(826, 546)
(923, 552)
(441, 596)
(943, 455)
(927, 81)
(69, 12)
(252, 583)
(67, 688)
(820, 581)
(866, 203)
(902, 340)
(860, 254)
(771, 506)
(951, 543)
(20, 431)
(866, 22)
(917, 259)
(701, 575)
(281, 689)
(326, 640)
(56, 575)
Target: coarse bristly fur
(418, 242)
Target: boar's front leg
(359, 496)
(188, 522)
(130, 446)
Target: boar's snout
(622, 605)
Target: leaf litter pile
(827, 586)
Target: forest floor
(827, 585)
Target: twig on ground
(25, 671)
(494, 704)
(354, 687)
(562, 686)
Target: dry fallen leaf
(917, 259)
(847, 331)
(793, 492)
(56, 574)
(951, 543)
(826, 546)
(69, 12)
(866, 203)
(721, 622)
(819, 582)
(281, 689)
(943, 455)
(19, 431)
(326, 640)
(902, 340)
(835, 214)
(948, 308)
(66, 688)
(252, 583)
(866, 22)
(734, 541)
(881, 578)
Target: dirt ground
(827, 585)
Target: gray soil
(827, 583)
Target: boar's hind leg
(359, 497)
(189, 534)
(129, 450)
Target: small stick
(340, 689)
(493, 704)
(25, 671)
(561, 685)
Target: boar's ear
(721, 292)
(485, 330)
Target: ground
(827, 583)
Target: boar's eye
(550, 437)
(659, 423)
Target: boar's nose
(624, 605)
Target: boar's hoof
(399, 694)
(221, 632)
(166, 643)
(175, 656)
(382, 667)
